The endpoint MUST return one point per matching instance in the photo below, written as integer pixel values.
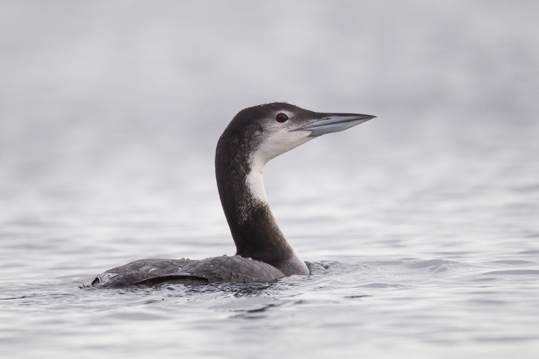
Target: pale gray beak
(333, 122)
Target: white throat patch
(277, 144)
(255, 184)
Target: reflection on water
(420, 227)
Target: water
(420, 227)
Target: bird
(254, 136)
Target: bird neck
(243, 197)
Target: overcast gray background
(420, 227)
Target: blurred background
(418, 225)
(110, 112)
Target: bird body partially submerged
(188, 271)
(255, 136)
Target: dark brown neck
(251, 222)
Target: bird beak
(332, 122)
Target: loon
(253, 137)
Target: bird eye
(281, 117)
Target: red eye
(281, 117)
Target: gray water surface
(420, 227)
